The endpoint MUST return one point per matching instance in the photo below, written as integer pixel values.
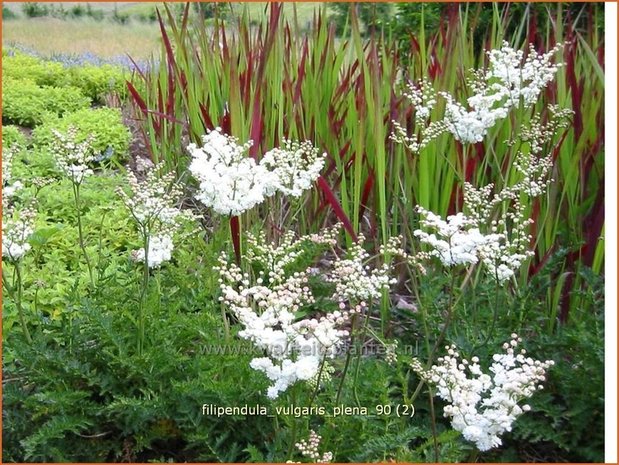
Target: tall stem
(143, 292)
(358, 361)
(322, 366)
(293, 430)
(347, 363)
(76, 195)
(450, 307)
(495, 316)
(433, 425)
(18, 287)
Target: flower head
(230, 181)
(481, 406)
(154, 205)
(17, 227)
(159, 251)
(73, 157)
(296, 165)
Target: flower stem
(322, 366)
(18, 301)
(433, 425)
(293, 431)
(143, 292)
(347, 362)
(76, 195)
(358, 361)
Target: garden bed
(274, 243)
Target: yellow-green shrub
(98, 81)
(25, 103)
(11, 136)
(105, 124)
(43, 73)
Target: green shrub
(11, 136)
(35, 9)
(77, 11)
(94, 81)
(43, 73)
(96, 14)
(104, 123)
(27, 104)
(98, 81)
(7, 13)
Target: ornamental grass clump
(481, 406)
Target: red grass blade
(335, 205)
(367, 190)
(166, 41)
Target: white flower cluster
(509, 80)
(521, 79)
(295, 166)
(391, 354)
(268, 306)
(231, 182)
(322, 378)
(275, 258)
(355, 279)
(153, 204)
(481, 406)
(17, 227)
(310, 448)
(534, 168)
(159, 251)
(73, 157)
(424, 98)
(459, 241)
(456, 241)
(9, 186)
(294, 348)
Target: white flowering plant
(231, 182)
(481, 406)
(276, 305)
(74, 160)
(491, 232)
(493, 229)
(510, 80)
(154, 205)
(310, 447)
